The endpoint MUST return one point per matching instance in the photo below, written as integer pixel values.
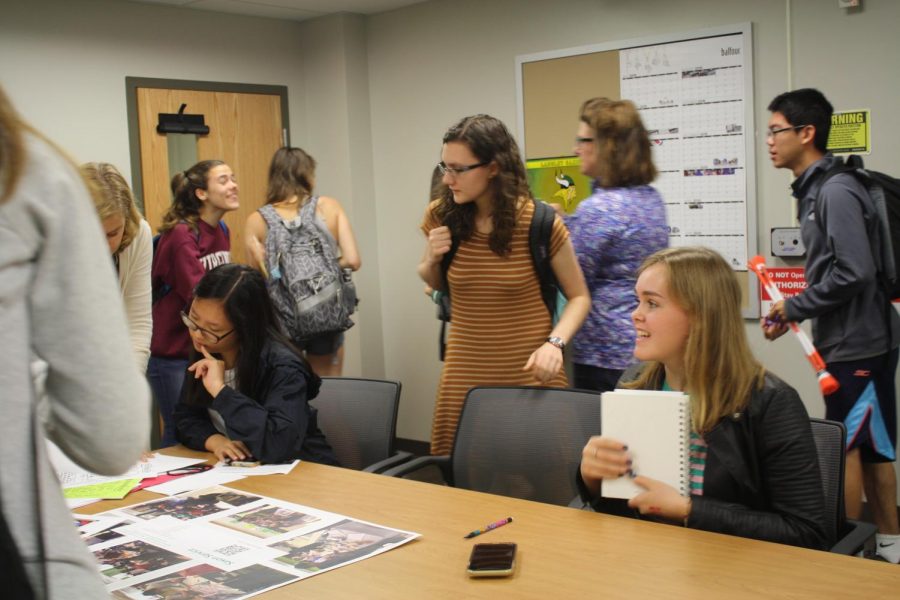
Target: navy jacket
(761, 478)
(278, 426)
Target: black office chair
(523, 442)
(852, 537)
(359, 419)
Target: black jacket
(761, 478)
(278, 426)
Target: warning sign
(789, 281)
(850, 132)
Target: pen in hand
(487, 528)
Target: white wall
(337, 133)
(371, 97)
(64, 66)
(64, 63)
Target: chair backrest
(359, 418)
(524, 442)
(830, 437)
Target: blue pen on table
(487, 528)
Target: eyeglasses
(771, 133)
(457, 171)
(584, 140)
(189, 470)
(209, 336)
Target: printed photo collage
(221, 543)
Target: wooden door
(245, 130)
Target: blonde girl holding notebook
(754, 467)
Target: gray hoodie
(850, 311)
(59, 298)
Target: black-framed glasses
(584, 140)
(207, 335)
(189, 470)
(771, 133)
(456, 171)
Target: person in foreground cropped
(754, 466)
(247, 391)
(59, 300)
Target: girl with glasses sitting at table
(753, 461)
(246, 396)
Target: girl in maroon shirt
(192, 241)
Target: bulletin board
(695, 95)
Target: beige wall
(436, 62)
(371, 97)
(64, 63)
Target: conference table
(562, 552)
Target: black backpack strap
(853, 164)
(157, 293)
(442, 341)
(539, 235)
(841, 167)
(163, 290)
(444, 304)
(446, 260)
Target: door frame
(134, 134)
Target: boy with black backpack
(855, 329)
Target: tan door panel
(245, 131)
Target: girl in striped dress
(502, 332)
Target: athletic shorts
(323, 345)
(866, 404)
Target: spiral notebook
(656, 427)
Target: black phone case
(492, 557)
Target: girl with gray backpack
(304, 246)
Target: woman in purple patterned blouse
(613, 231)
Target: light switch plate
(786, 241)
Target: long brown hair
(291, 173)
(12, 150)
(720, 370)
(185, 203)
(112, 197)
(623, 145)
(489, 140)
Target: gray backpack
(311, 294)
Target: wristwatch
(556, 341)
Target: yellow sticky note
(111, 490)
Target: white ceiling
(292, 10)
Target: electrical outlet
(786, 241)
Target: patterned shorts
(867, 405)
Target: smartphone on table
(492, 560)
